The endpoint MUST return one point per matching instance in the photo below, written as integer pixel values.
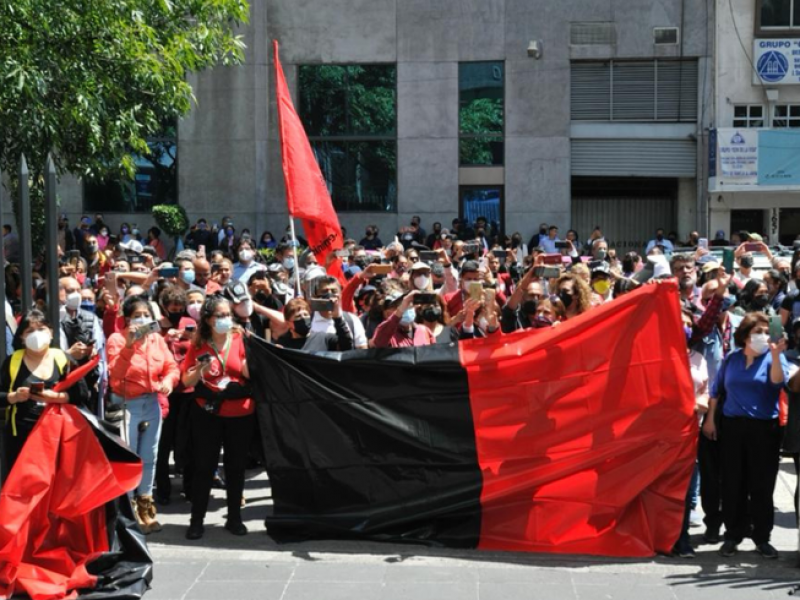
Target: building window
(748, 115)
(786, 115)
(350, 116)
(481, 114)
(155, 181)
(776, 15)
(625, 90)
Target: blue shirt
(749, 392)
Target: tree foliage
(90, 80)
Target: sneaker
(683, 550)
(767, 550)
(728, 548)
(195, 532)
(711, 536)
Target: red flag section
(53, 507)
(306, 191)
(586, 434)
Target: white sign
(737, 150)
(777, 61)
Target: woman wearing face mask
(267, 241)
(141, 367)
(755, 298)
(397, 329)
(421, 277)
(229, 242)
(247, 264)
(33, 363)
(432, 325)
(125, 235)
(574, 294)
(222, 415)
(297, 315)
(750, 381)
(102, 238)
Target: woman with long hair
(222, 415)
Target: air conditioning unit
(666, 36)
(592, 33)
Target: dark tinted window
(481, 113)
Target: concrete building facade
(623, 165)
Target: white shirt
(549, 245)
(320, 324)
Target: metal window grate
(666, 36)
(592, 34)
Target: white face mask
(244, 309)
(140, 321)
(246, 255)
(193, 310)
(223, 325)
(74, 300)
(37, 340)
(421, 282)
(483, 323)
(759, 343)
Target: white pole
(296, 263)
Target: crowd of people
(169, 329)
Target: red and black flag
(67, 528)
(579, 439)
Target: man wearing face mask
(660, 240)
(397, 329)
(81, 338)
(285, 256)
(470, 272)
(186, 274)
(421, 277)
(299, 336)
(201, 236)
(66, 239)
(751, 380)
(520, 310)
(371, 241)
(247, 264)
(327, 288)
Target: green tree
(90, 80)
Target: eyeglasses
(222, 315)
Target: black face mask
(437, 229)
(431, 314)
(529, 307)
(174, 318)
(542, 230)
(261, 298)
(746, 262)
(566, 298)
(302, 326)
(660, 237)
(361, 263)
(761, 300)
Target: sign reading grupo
(777, 61)
(737, 150)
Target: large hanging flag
(579, 439)
(306, 191)
(67, 528)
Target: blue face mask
(223, 325)
(187, 276)
(408, 316)
(688, 332)
(87, 306)
(727, 302)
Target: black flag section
(376, 444)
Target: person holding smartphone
(750, 381)
(141, 367)
(297, 315)
(27, 378)
(222, 414)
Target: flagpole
(296, 263)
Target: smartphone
(136, 259)
(428, 256)
(204, 358)
(703, 243)
(562, 245)
(201, 249)
(472, 248)
(37, 388)
(318, 305)
(775, 329)
(144, 330)
(547, 272)
(501, 258)
(342, 253)
(73, 255)
(552, 259)
(752, 247)
(168, 272)
(475, 290)
(727, 260)
(382, 269)
(424, 298)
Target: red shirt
(233, 370)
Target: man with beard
(684, 268)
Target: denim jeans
(143, 439)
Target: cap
(132, 246)
(391, 298)
(280, 288)
(600, 267)
(756, 237)
(314, 272)
(366, 289)
(276, 267)
(420, 266)
(720, 234)
(709, 266)
(236, 291)
(437, 269)
(470, 266)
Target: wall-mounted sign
(777, 61)
(737, 150)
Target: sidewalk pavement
(222, 566)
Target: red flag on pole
(306, 190)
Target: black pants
(710, 482)
(171, 440)
(210, 433)
(749, 455)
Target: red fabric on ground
(586, 433)
(53, 507)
